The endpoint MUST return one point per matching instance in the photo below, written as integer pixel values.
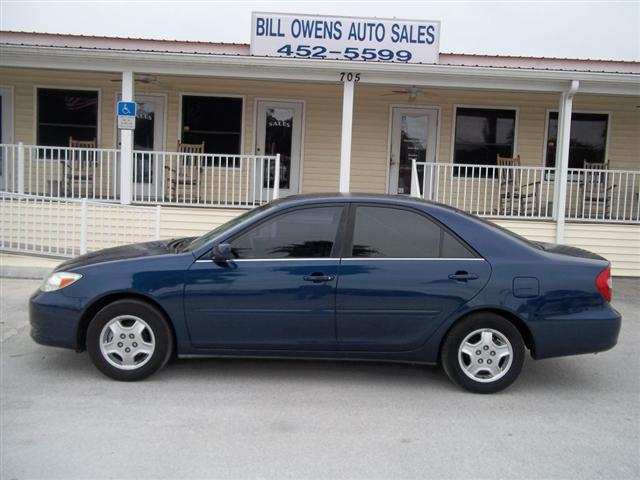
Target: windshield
(207, 237)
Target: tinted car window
(381, 232)
(304, 233)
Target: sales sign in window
(345, 38)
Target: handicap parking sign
(127, 109)
(127, 115)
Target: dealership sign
(345, 38)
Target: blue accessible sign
(127, 115)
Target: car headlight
(59, 280)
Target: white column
(345, 145)
(415, 181)
(126, 144)
(276, 179)
(562, 158)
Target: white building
(432, 129)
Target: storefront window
(483, 133)
(588, 139)
(63, 114)
(216, 121)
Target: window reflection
(278, 139)
(304, 233)
(482, 133)
(588, 138)
(413, 146)
(66, 113)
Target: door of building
(279, 130)
(413, 136)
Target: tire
(483, 353)
(129, 340)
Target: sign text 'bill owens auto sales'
(345, 38)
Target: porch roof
(63, 51)
(219, 48)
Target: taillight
(605, 284)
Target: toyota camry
(334, 276)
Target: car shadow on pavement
(553, 374)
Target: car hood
(134, 250)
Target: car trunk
(568, 250)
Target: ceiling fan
(143, 79)
(412, 92)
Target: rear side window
(303, 233)
(382, 232)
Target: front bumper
(574, 336)
(55, 319)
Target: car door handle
(318, 277)
(463, 276)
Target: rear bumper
(54, 319)
(568, 336)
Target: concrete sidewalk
(26, 266)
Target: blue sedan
(335, 276)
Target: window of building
(483, 133)
(304, 233)
(588, 138)
(63, 114)
(216, 121)
(382, 232)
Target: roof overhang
(295, 69)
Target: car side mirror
(222, 252)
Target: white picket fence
(69, 227)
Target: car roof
(307, 198)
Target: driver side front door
(279, 291)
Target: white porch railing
(205, 179)
(487, 190)
(603, 195)
(157, 177)
(528, 192)
(69, 227)
(59, 171)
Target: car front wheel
(129, 340)
(483, 353)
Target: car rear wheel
(129, 340)
(483, 353)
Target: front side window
(216, 121)
(303, 233)
(65, 114)
(483, 133)
(382, 232)
(588, 139)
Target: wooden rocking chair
(596, 189)
(515, 197)
(183, 174)
(79, 168)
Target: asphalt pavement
(569, 418)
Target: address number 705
(349, 77)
